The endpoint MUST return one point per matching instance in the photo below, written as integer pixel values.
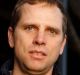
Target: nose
(39, 39)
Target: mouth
(37, 55)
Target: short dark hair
(17, 13)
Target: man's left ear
(63, 44)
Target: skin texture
(37, 39)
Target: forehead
(41, 14)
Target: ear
(11, 37)
(63, 44)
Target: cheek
(22, 46)
(53, 52)
(23, 39)
(54, 43)
(54, 47)
(22, 43)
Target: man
(38, 35)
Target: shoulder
(5, 68)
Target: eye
(52, 31)
(30, 27)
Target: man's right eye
(30, 27)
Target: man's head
(37, 34)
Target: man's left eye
(52, 31)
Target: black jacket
(7, 67)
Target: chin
(36, 70)
(34, 67)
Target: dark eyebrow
(28, 24)
(25, 24)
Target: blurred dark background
(72, 57)
(6, 7)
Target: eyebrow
(28, 24)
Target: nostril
(39, 43)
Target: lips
(37, 54)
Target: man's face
(38, 37)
